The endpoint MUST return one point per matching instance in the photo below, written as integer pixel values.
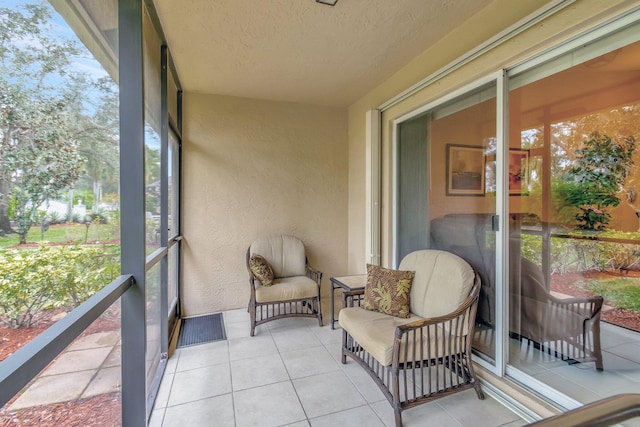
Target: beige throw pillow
(387, 291)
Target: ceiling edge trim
(502, 37)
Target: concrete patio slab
(97, 340)
(87, 368)
(107, 380)
(114, 358)
(80, 360)
(53, 389)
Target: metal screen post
(132, 211)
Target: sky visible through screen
(84, 63)
(60, 30)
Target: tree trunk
(70, 205)
(97, 194)
(5, 225)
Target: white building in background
(59, 209)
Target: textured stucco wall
(492, 20)
(254, 168)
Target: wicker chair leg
(599, 366)
(252, 316)
(344, 346)
(597, 348)
(476, 383)
(479, 391)
(398, 416)
(319, 313)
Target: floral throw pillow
(261, 269)
(387, 291)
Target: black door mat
(201, 330)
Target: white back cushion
(441, 284)
(285, 254)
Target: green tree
(98, 141)
(47, 162)
(598, 174)
(41, 97)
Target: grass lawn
(66, 233)
(621, 292)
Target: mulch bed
(103, 410)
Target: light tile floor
(290, 374)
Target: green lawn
(621, 292)
(66, 233)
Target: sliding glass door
(574, 282)
(446, 192)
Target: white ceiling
(300, 50)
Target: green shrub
(54, 217)
(99, 216)
(531, 247)
(620, 256)
(32, 281)
(569, 254)
(563, 255)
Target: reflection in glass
(153, 124)
(153, 206)
(152, 188)
(173, 260)
(154, 317)
(574, 239)
(174, 186)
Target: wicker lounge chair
(427, 355)
(567, 328)
(295, 287)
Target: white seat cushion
(287, 288)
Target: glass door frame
(501, 208)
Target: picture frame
(518, 172)
(465, 170)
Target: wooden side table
(347, 283)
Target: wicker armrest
(314, 274)
(440, 320)
(436, 337)
(471, 298)
(592, 304)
